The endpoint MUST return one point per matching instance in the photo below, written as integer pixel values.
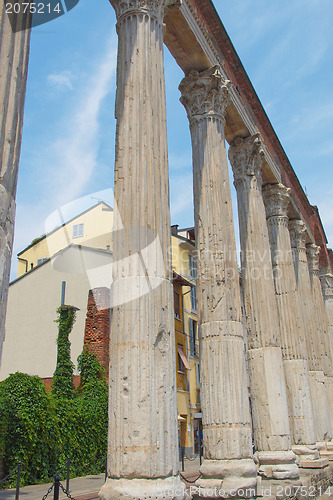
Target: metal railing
(55, 486)
(191, 459)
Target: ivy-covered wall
(42, 429)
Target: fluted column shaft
(327, 288)
(143, 428)
(224, 393)
(292, 335)
(313, 344)
(267, 378)
(14, 57)
(321, 319)
(321, 327)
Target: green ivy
(90, 368)
(27, 432)
(63, 386)
(41, 430)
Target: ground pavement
(83, 488)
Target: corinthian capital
(154, 7)
(298, 234)
(204, 93)
(327, 285)
(276, 198)
(312, 252)
(246, 157)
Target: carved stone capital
(205, 93)
(246, 158)
(276, 198)
(156, 8)
(298, 234)
(327, 285)
(312, 252)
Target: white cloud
(65, 164)
(61, 80)
(73, 154)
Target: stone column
(292, 335)
(14, 56)
(327, 288)
(316, 375)
(321, 325)
(143, 459)
(224, 390)
(267, 379)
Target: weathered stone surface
(224, 393)
(154, 8)
(143, 441)
(292, 334)
(267, 379)
(140, 489)
(277, 465)
(323, 303)
(314, 464)
(14, 56)
(230, 487)
(321, 318)
(315, 346)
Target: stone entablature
(143, 446)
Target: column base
(170, 488)
(325, 450)
(277, 464)
(270, 489)
(306, 454)
(308, 457)
(227, 479)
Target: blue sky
(69, 130)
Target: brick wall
(48, 382)
(97, 327)
(330, 256)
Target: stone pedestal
(227, 434)
(292, 335)
(267, 379)
(143, 459)
(14, 57)
(313, 344)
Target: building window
(194, 298)
(193, 337)
(176, 304)
(40, 261)
(78, 230)
(181, 366)
(197, 373)
(192, 266)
